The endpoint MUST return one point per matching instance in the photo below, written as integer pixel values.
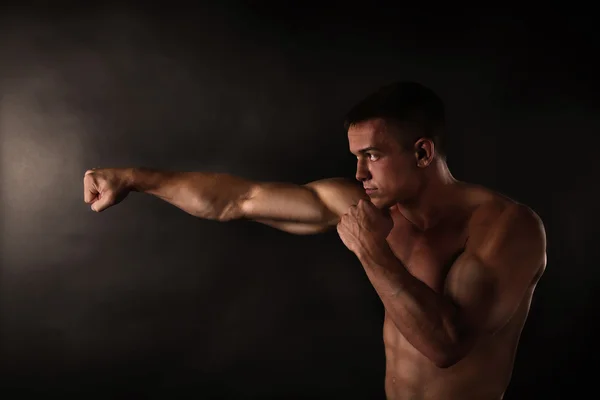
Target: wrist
(130, 179)
(374, 252)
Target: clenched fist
(364, 226)
(103, 188)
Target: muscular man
(455, 264)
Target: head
(396, 135)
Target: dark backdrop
(145, 299)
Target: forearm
(425, 318)
(206, 195)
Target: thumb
(104, 201)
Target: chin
(382, 204)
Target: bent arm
(484, 287)
(300, 209)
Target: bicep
(301, 209)
(485, 302)
(487, 299)
(494, 276)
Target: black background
(146, 300)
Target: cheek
(391, 175)
(386, 170)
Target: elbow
(229, 212)
(456, 345)
(239, 206)
(449, 354)
(446, 359)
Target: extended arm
(484, 287)
(223, 197)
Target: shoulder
(338, 194)
(503, 230)
(491, 209)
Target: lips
(370, 190)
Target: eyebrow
(367, 149)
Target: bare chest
(428, 255)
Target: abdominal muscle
(484, 374)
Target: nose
(362, 172)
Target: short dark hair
(404, 102)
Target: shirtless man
(455, 264)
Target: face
(389, 173)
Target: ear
(424, 152)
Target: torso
(485, 373)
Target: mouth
(369, 190)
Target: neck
(435, 197)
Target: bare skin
(454, 264)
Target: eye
(372, 157)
